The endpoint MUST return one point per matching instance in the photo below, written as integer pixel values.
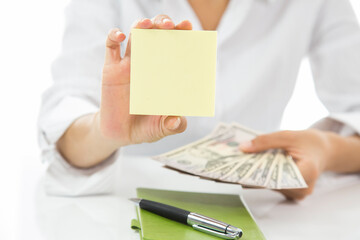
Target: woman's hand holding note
(114, 120)
(93, 138)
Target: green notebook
(223, 207)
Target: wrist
(100, 134)
(335, 149)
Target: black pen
(199, 222)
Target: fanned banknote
(218, 157)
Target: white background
(30, 38)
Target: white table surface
(332, 212)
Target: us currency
(259, 176)
(218, 157)
(209, 152)
(219, 129)
(241, 170)
(290, 175)
(272, 179)
(221, 172)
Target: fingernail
(246, 145)
(146, 21)
(172, 123)
(117, 33)
(165, 20)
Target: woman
(260, 47)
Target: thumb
(282, 139)
(173, 125)
(112, 53)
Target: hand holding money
(218, 157)
(310, 149)
(287, 161)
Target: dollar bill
(272, 179)
(241, 170)
(217, 166)
(217, 156)
(258, 176)
(219, 129)
(209, 151)
(291, 176)
(223, 171)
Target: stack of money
(218, 157)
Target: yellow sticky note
(173, 72)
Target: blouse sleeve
(75, 91)
(335, 60)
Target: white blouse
(261, 44)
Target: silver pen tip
(135, 200)
(236, 232)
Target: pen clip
(215, 233)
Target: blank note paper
(173, 72)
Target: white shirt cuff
(345, 124)
(57, 120)
(61, 178)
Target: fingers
(112, 53)
(184, 25)
(310, 173)
(296, 194)
(292, 195)
(283, 139)
(163, 22)
(142, 24)
(173, 125)
(158, 22)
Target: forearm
(345, 154)
(83, 145)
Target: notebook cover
(227, 208)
